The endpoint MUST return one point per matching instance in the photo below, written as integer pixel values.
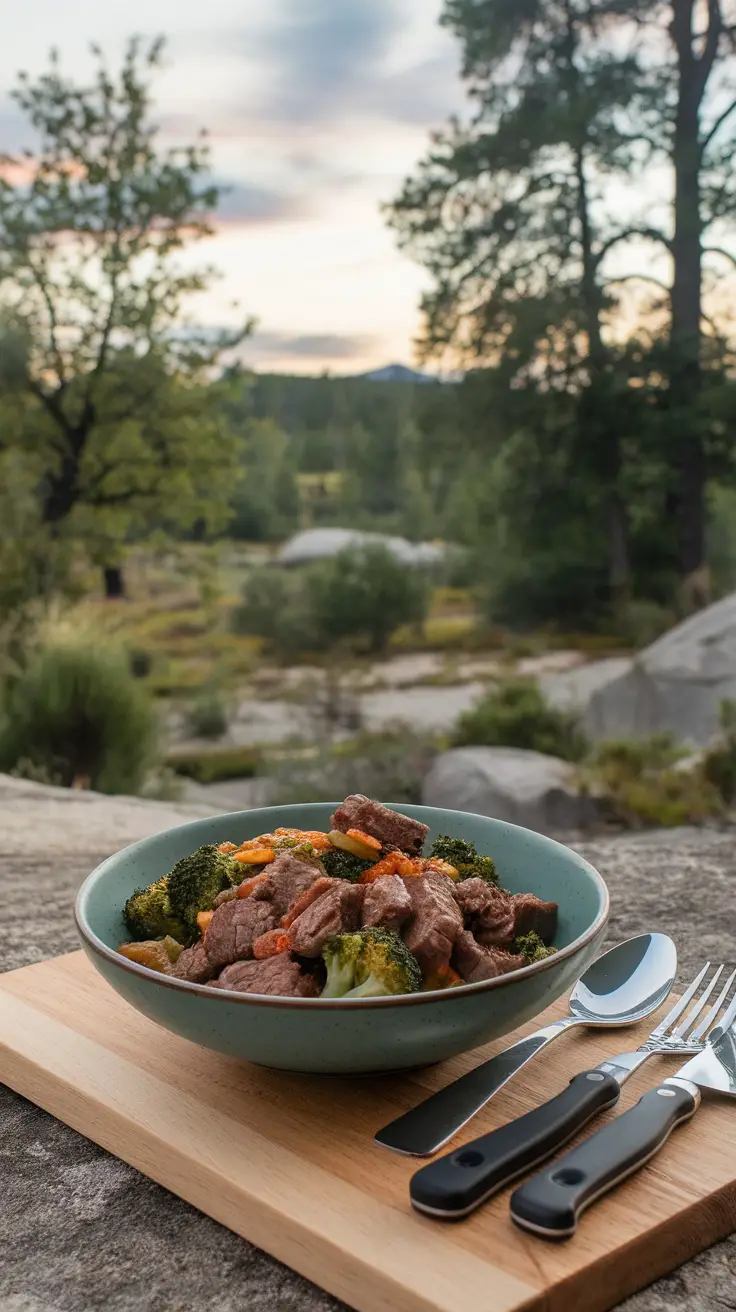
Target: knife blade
(550, 1204)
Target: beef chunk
(286, 879)
(276, 975)
(306, 899)
(487, 911)
(475, 962)
(436, 920)
(336, 912)
(387, 903)
(533, 914)
(390, 827)
(234, 928)
(194, 965)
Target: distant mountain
(398, 373)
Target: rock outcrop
(509, 783)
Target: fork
(454, 1185)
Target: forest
(576, 229)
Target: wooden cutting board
(288, 1161)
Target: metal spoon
(623, 986)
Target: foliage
(276, 606)
(212, 767)
(535, 241)
(642, 783)
(208, 716)
(118, 430)
(719, 764)
(515, 714)
(391, 765)
(266, 501)
(356, 600)
(363, 595)
(77, 712)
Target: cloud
(243, 203)
(324, 60)
(322, 51)
(310, 346)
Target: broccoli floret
(343, 865)
(531, 946)
(466, 859)
(371, 963)
(196, 881)
(149, 914)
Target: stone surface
(82, 1231)
(324, 543)
(676, 685)
(509, 783)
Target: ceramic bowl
(344, 1037)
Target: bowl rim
(101, 949)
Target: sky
(316, 110)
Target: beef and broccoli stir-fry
(355, 913)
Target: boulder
(676, 685)
(510, 783)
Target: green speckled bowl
(340, 1037)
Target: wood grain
(288, 1161)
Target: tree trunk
(603, 430)
(688, 437)
(114, 582)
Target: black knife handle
(456, 1184)
(551, 1203)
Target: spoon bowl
(623, 986)
(627, 983)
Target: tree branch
(704, 64)
(641, 277)
(717, 126)
(648, 234)
(51, 404)
(55, 349)
(718, 250)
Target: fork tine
(706, 1024)
(680, 1006)
(697, 1007)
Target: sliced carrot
(368, 839)
(305, 900)
(393, 864)
(246, 888)
(227, 847)
(271, 944)
(442, 978)
(257, 856)
(203, 920)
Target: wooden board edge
(664, 1248)
(67, 1074)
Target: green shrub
(276, 606)
(626, 757)
(215, 766)
(719, 764)
(640, 785)
(209, 715)
(77, 713)
(359, 599)
(364, 595)
(390, 766)
(642, 622)
(515, 714)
